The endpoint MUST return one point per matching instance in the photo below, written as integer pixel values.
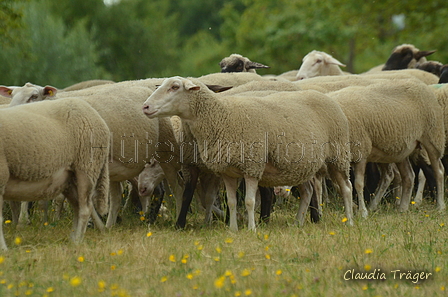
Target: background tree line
(66, 41)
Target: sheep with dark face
(406, 56)
(238, 63)
(433, 67)
(444, 74)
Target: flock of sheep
(190, 135)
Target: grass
(279, 259)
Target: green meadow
(401, 254)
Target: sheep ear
(331, 60)
(217, 88)
(255, 65)
(50, 91)
(190, 86)
(5, 91)
(421, 54)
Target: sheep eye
(319, 61)
(32, 98)
(175, 87)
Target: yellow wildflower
(163, 279)
(367, 267)
(368, 251)
(246, 272)
(219, 282)
(228, 240)
(344, 220)
(18, 240)
(75, 281)
(81, 259)
(172, 258)
(248, 292)
(148, 234)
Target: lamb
(317, 63)
(238, 63)
(63, 149)
(406, 56)
(388, 121)
(220, 124)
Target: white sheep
(52, 147)
(28, 93)
(406, 56)
(238, 63)
(281, 193)
(388, 121)
(135, 138)
(234, 141)
(317, 63)
(87, 84)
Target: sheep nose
(145, 107)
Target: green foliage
(10, 19)
(72, 40)
(47, 53)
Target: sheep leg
(317, 182)
(407, 176)
(80, 196)
(386, 177)
(187, 196)
(437, 167)
(156, 203)
(231, 185)
(421, 185)
(345, 188)
(15, 211)
(359, 170)
(175, 183)
(2, 237)
(251, 192)
(306, 191)
(115, 201)
(24, 216)
(266, 195)
(210, 185)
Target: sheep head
(406, 56)
(28, 93)
(171, 98)
(317, 63)
(433, 67)
(238, 63)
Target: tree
(49, 53)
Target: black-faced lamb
(238, 63)
(406, 56)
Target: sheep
(28, 93)
(134, 137)
(443, 75)
(388, 121)
(281, 193)
(433, 67)
(238, 63)
(317, 63)
(424, 76)
(219, 124)
(88, 84)
(406, 56)
(49, 148)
